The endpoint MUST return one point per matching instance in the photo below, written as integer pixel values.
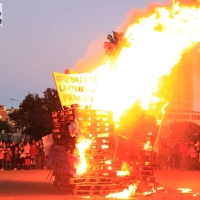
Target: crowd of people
(23, 155)
(184, 155)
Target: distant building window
(0, 116)
(197, 117)
(182, 116)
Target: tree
(115, 44)
(5, 127)
(34, 115)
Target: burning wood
(148, 146)
(184, 190)
(125, 194)
(171, 31)
(152, 191)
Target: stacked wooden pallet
(142, 169)
(61, 121)
(101, 176)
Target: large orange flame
(156, 44)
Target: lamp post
(15, 100)
(19, 109)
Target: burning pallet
(101, 177)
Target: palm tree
(114, 42)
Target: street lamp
(15, 100)
(19, 109)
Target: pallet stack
(141, 168)
(61, 136)
(101, 176)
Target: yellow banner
(75, 88)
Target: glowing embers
(188, 191)
(148, 146)
(184, 190)
(124, 170)
(125, 194)
(123, 173)
(152, 191)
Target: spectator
(33, 152)
(192, 156)
(2, 151)
(39, 155)
(16, 158)
(175, 155)
(167, 156)
(197, 148)
(26, 149)
(8, 157)
(184, 151)
(22, 157)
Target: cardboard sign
(76, 88)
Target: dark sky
(40, 37)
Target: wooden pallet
(142, 178)
(98, 157)
(101, 173)
(100, 162)
(98, 180)
(100, 146)
(92, 112)
(98, 151)
(143, 172)
(139, 163)
(101, 168)
(141, 158)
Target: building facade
(2, 112)
(183, 86)
(185, 82)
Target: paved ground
(31, 184)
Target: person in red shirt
(33, 152)
(1, 156)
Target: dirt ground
(33, 184)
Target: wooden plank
(98, 157)
(91, 112)
(98, 151)
(101, 167)
(141, 157)
(100, 162)
(102, 174)
(143, 172)
(94, 118)
(97, 180)
(141, 168)
(100, 146)
(139, 163)
(143, 178)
